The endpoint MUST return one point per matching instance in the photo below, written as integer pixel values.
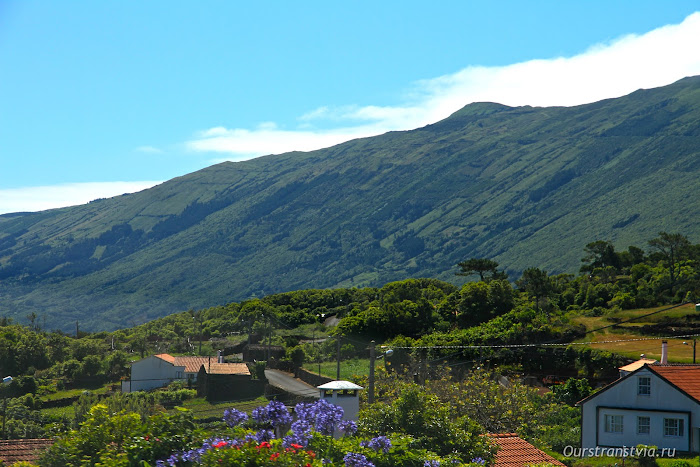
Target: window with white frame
(643, 425)
(613, 423)
(644, 386)
(673, 427)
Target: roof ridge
(503, 435)
(692, 365)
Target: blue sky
(102, 98)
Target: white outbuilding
(345, 394)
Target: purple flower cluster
(323, 415)
(234, 417)
(275, 412)
(348, 427)
(260, 436)
(380, 443)
(319, 416)
(194, 456)
(301, 434)
(478, 460)
(432, 463)
(353, 459)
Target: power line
(636, 318)
(545, 344)
(556, 344)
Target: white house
(153, 372)
(656, 404)
(162, 369)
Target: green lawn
(348, 368)
(60, 411)
(678, 351)
(67, 393)
(201, 408)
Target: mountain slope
(526, 186)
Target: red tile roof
(514, 451)
(28, 450)
(227, 369)
(684, 377)
(193, 364)
(167, 357)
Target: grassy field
(348, 368)
(624, 338)
(67, 393)
(67, 412)
(201, 408)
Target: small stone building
(227, 381)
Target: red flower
(220, 444)
(297, 446)
(146, 437)
(311, 454)
(274, 456)
(264, 444)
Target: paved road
(285, 381)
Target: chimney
(664, 352)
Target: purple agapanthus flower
(303, 411)
(380, 443)
(290, 440)
(431, 463)
(172, 460)
(275, 412)
(259, 436)
(323, 415)
(234, 417)
(348, 427)
(353, 459)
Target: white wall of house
(632, 413)
(152, 372)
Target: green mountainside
(528, 187)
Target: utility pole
(5, 381)
(4, 416)
(269, 337)
(695, 341)
(337, 369)
(370, 395)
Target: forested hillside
(524, 186)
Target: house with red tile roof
(514, 451)
(655, 404)
(162, 369)
(22, 450)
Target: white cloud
(613, 69)
(39, 198)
